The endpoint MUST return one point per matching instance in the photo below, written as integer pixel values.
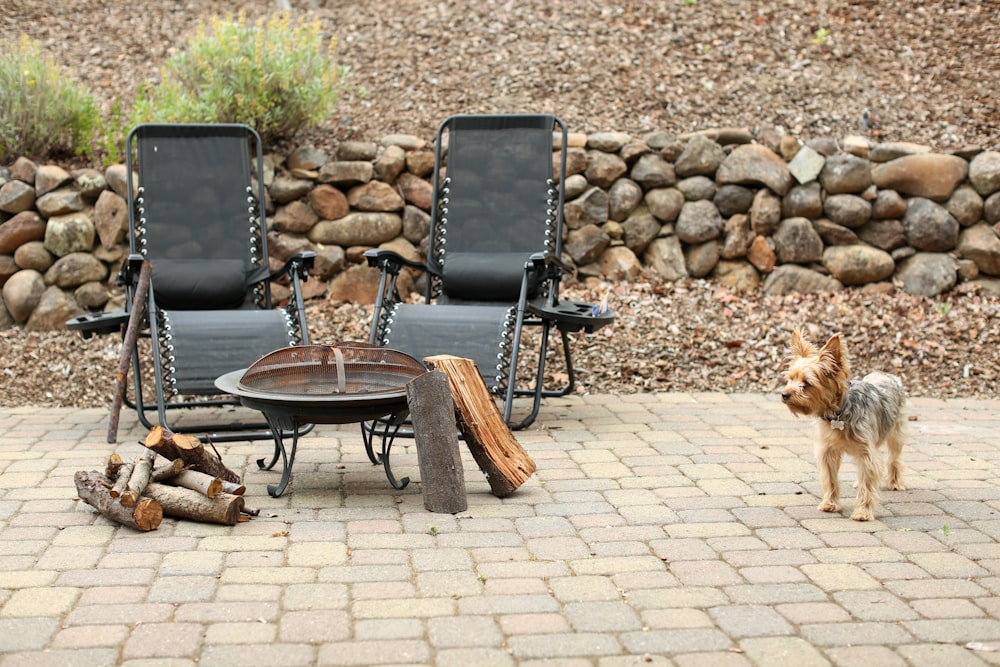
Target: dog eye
(805, 384)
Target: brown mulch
(684, 336)
(924, 70)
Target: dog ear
(833, 356)
(800, 346)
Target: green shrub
(272, 75)
(41, 111)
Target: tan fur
(817, 385)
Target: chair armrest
(391, 261)
(300, 264)
(129, 273)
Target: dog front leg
(829, 468)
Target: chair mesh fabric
(478, 332)
(202, 345)
(196, 208)
(498, 202)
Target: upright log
(94, 489)
(442, 479)
(493, 445)
(190, 450)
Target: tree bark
(183, 503)
(432, 410)
(493, 445)
(190, 450)
(94, 489)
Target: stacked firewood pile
(192, 484)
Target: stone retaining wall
(750, 212)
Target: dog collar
(836, 423)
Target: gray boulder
(845, 174)
(76, 269)
(369, 229)
(797, 242)
(590, 208)
(665, 256)
(699, 221)
(753, 164)
(984, 172)
(847, 210)
(586, 244)
(928, 226)
(22, 292)
(927, 273)
(981, 244)
(858, 264)
(700, 157)
(803, 201)
(69, 233)
(733, 199)
(652, 171)
(665, 203)
(624, 195)
(791, 278)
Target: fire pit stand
(320, 384)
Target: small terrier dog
(854, 417)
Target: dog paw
(863, 514)
(827, 506)
(896, 485)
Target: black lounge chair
(196, 215)
(493, 264)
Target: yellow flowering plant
(274, 75)
(42, 112)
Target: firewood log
(142, 469)
(190, 450)
(183, 503)
(493, 445)
(94, 489)
(442, 479)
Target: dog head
(816, 378)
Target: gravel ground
(925, 71)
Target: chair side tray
(574, 316)
(100, 324)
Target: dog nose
(785, 396)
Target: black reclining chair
(197, 216)
(493, 264)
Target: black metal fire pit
(323, 384)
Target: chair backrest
(197, 214)
(499, 201)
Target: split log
(94, 489)
(182, 503)
(489, 438)
(142, 470)
(190, 450)
(442, 479)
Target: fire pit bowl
(323, 384)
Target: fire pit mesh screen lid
(322, 370)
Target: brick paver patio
(660, 529)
